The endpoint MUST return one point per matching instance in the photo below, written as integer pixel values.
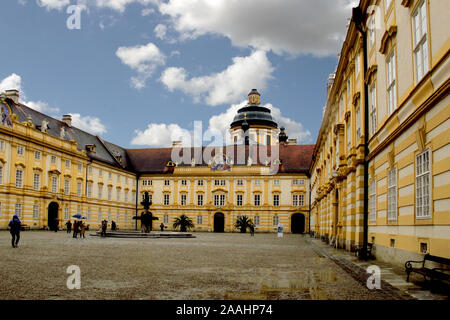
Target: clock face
(5, 119)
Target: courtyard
(210, 266)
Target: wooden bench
(369, 250)
(442, 274)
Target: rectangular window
(240, 182)
(19, 178)
(20, 150)
(100, 172)
(80, 167)
(239, 200)
(54, 184)
(268, 140)
(420, 41)
(200, 220)
(216, 182)
(275, 220)
(53, 160)
(109, 215)
(183, 182)
(90, 170)
(67, 163)
(256, 220)
(349, 90)
(391, 84)
(89, 190)
(372, 31)
(200, 199)
(2, 145)
(200, 182)
(66, 187)
(89, 215)
(79, 191)
(423, 176)
(109, 175)
(66, 213)
(301, 200)
(18, 209)
(166, 200)
(166, 218)
(35, 211)
(118, 195)
(257, 182)
(257, 200)
(126, 196)
(118, 178)
(109, 194)
(373, 201)
(100, 191)
(1, 175)
(117, 216)
(392, 194)
(222, 182)
(358, 123)
(276, 182)
(37, 155)
(183, 199)
(99, 216)
(276, 200)
(357, 63)
(167, 182)
(373, 109)
(349, 135)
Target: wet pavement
(210, 266)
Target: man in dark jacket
(69, 226)
(14, 229)
(104, 227)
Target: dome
(254, 114)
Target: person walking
(76, 229)
(14, 229)
(69, 226)
(113, 225)
(104, 227)
(162, 226)
(252, 230)
(82, 230)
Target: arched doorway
(52, 215)
(297, 223)
(219, 222)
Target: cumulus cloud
(227, 86)
(160, 31)
(147, 11)
(53, 4)
(144, 59)
(283, 26)
(160, 135)
(87, 123)
(120, 5)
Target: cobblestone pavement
(210, 266)
(393, 277)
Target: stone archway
(219, 222)
(298, 223)
(53, 208)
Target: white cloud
(227, 86)
(159, 135)
(144, 59)
(162, 135)
(120, 5)
(147, 11)
(53, 4)
(14, 81)
(160, 31)
(87, 123)
(284, 26)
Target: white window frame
(373, 201)
(183, 199)
(420, 35)
(373, 109)
(256, 220)
(35, 211)
(276, 200)
(37, 155)
(200, 199)
(200, 182)
(166, 218)
(200, 219)
(257, 200)
(392, 195)
(67, 187)
(166, 199)
(239, 200)
(79, 189)
(240, 182)
(391, 82)
(423, 185)
(275, 220)
(18, 209)
(20, 150)
(19, 178)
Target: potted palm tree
(184, 222)
(242, 223)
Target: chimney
(176, 143)
(292, 142)
(67, 119)
(13, 95)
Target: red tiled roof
(294, 158)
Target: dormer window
(90, 147)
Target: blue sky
(138, 71)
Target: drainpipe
(137, 198)
(309, 207)
(358, 19)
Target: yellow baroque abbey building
(380, 170)
(378, 174)
(52, 170)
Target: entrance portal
(219, 222)
(297, 223)
(52, 215)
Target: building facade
(51, 170)
(402, 92)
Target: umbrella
(78, 216)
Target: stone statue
(44, 126)
(62, 133)
(146, 216)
